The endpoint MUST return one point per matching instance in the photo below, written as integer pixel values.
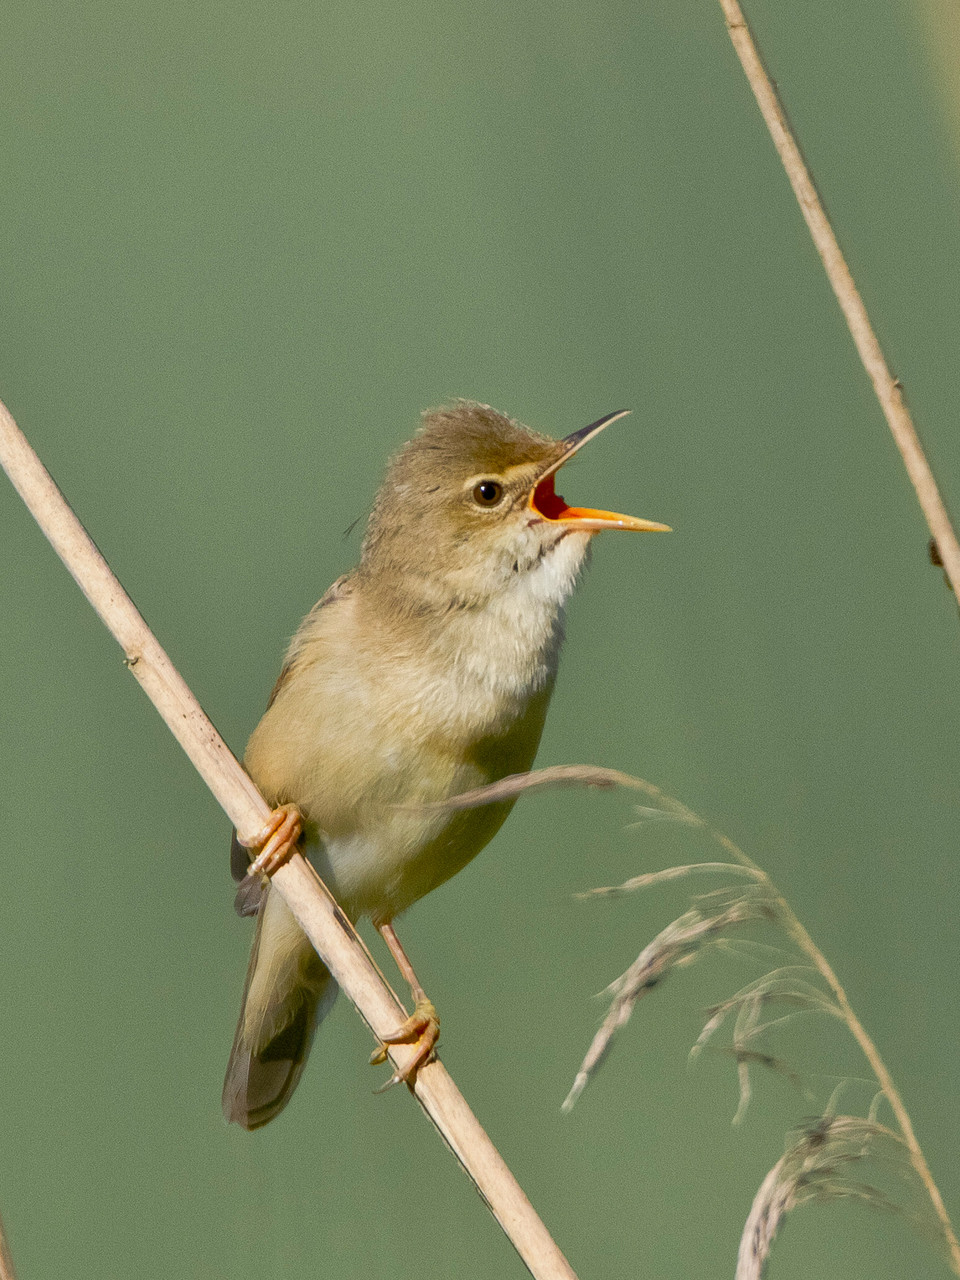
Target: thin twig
(889, 392)
(318, 914)
(7, 1271)
(888, 388)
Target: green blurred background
(242, 248)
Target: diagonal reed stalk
(889, 389)
(318, 914)
(591, 776)
(889, 392)
(7, 1271)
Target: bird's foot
(422, 1029)
(276, 842)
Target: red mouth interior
(547, 502)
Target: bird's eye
(487, 493)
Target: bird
(423, 673)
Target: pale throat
(508, 645)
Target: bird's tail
(287, 993)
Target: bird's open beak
(548, 505)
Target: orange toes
(276, 842)
(421, 1029)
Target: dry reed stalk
(889, 392)
(888, 388)
(301, 888)
(7, 1271)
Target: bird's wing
(250, 894)
(336, 591)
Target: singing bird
(424, 673)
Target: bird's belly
(383, 853)
(376, 834)
(368, 770)
(382, 868)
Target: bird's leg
(422, 1028)
(276, 842)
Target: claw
(394, 1079)
(422, 1029)
(276, 842)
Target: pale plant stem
(889, 392)
(888, 388)
(7, 1271)
(298, 884)
(884, 1079)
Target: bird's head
(470, 506)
